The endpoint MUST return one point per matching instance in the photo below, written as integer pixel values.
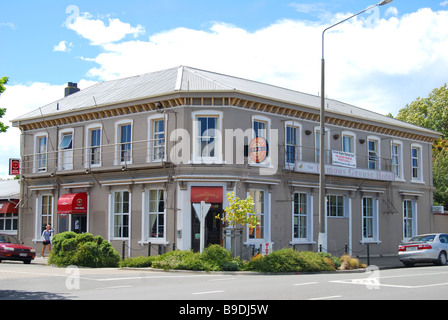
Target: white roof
(187, 79)
(9, 189)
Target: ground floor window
(121, 210)
(260, 211)
(8, 222)
(46, 212)
(300, 216)
(409, 219)
(335, 206)
(156, 214)
(369, 218)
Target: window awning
(8, 207)
(74, 203)
(207, 194)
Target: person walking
(46, 239)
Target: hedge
(216, 258)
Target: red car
(13, 249)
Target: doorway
(79, 223)
(212, 227)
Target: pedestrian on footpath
(46, 237)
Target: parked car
(13, 249)
(424, 248)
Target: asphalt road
(38, 282)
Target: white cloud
(98, 33)
(63, 47)
(444, 4)
(381, 66)
(287, 53)
(8, 24)
(18, 100)
(392, 11)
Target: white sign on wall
(344, 159)
(310, 167)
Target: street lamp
(322, 224)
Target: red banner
(207, 194)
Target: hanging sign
(14, 167)
(258, 150)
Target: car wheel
(27, 261)
(408, 264)
(441, 261)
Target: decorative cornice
(291, 112)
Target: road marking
(305, 284)
(325, 298)
(208, 292)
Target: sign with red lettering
(258, 150)
(14, 167)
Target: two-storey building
(127, 159)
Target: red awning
(8, 207)
(75, 203)
(207, 194)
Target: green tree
(432, 113)
(240, 212)
(3, 82)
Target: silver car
(424, 248)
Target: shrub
(289, 260)
(349, 263)
(175, 260)
(82, 250)
(332, 260)
(137, 262)
(216, 258)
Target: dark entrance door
(79, 223)
(212, 227)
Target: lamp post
(322, 241)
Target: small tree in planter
(238, 214)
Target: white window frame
(121, 214)
(39, 228)
(373, 220)
(65, 153)
(217, 159)
(118, 142)
(37, 154)
(377, 150)
(397, 168)
(406, 220)
(419, 167)
(352, 137)
(344, 205)
(147, 237)
(297, 215)
(151, 139)
(266, 218)
(267, 137)
(317, 146)
(88, 142)
(298, 146)
(13, 218)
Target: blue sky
(382, 60)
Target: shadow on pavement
(29, 295)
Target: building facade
(128, 159)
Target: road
(39, 282)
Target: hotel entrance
(212, 228)
(214, 196)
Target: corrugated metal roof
(9, 189)
(184, 78)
